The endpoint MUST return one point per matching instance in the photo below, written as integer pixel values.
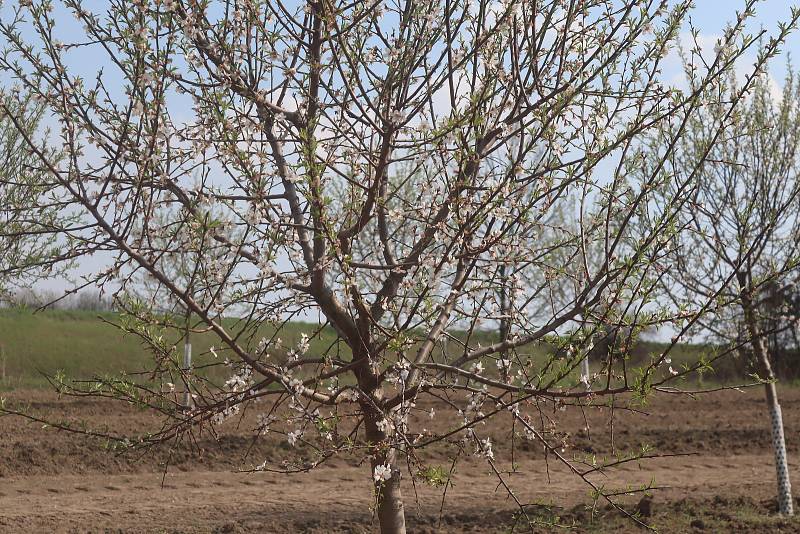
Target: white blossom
(382, 473)
(293, 436)
(396, 117)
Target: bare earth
(60, 482)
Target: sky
(709, 18)
(711, 15)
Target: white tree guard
(187, 366)
(585, 371)
(785, 504)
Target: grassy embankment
(82, 345)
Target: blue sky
(711, 16)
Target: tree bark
(764, 370)
(391, 513)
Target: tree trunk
(187, 365)
(505, 315)
(391, 514)
(764, 369)
(505, 318)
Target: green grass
(83, 345)
(78, 343)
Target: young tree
(27, 236)
(344, 162)
(742, 224)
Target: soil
(716, 474)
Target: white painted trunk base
(785, 504)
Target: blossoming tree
(743, 225)
(348, 163)
(27, 236)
